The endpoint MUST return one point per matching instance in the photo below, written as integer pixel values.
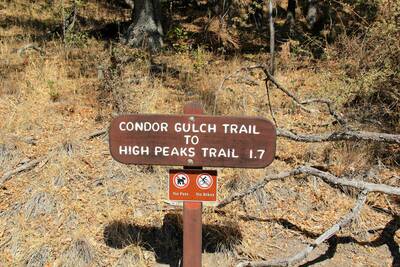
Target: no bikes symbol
(204, 181)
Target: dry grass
(57, 214)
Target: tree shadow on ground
(252, 39)
(386, 237)
(166, 241)
(7, 22)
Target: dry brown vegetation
(78, 207)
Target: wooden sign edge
(202, 115)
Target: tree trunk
(146, 29)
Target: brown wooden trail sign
(193, 140)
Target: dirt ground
(79, 207)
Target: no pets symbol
(181, 180)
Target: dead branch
(346, 135)
(5, 242)
(326, 176)
(25, 167)
(296, 100)
(257, 186)
(96, 134)
(269, 103)
(130, 3)
(272, 36)
(299, 102)
(272, 56)
(32, 46)
(331, 110)
(33, 163)
(331, 179)
(227, 77)
(345, 220)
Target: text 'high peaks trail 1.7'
(192, 140)
(196, 140)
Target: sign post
(192, 140)
(192, 215)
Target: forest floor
(79, 207)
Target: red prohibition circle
(201, 182)
(179, 182)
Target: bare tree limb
(96, 134)
(346, 135)
(272, 56)
(25, 167)
(33, 163)
(269, 103)
(299, 102)
(272, 37)
(326, 176)
(227, 77)
(33, 46)
(331, 110)
(129, 3)
(330, 178)
(345, 220)
(271, 78)
(257, 186)
(5, 242)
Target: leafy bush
(376, 68)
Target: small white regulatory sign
(204, 181)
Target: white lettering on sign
(167, 151)
(143, 126)
(219, 153)
(193, 139)
(191, 132)
(240, 129)
(134, 150)
(193, 128)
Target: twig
(63, 20)
(25, 167)
(331, 110)
(332, 179)
(271, 78)
(257, 186)
(269, 103)
(22, 50)
(227, 77)
(326, 176)
(299, 102)
(272, 38)
(5, 242)
(96, 134)
(345, 220)
(346, 135)
(33, 163)
(72, 17)
(272, 56)
(130, 3)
